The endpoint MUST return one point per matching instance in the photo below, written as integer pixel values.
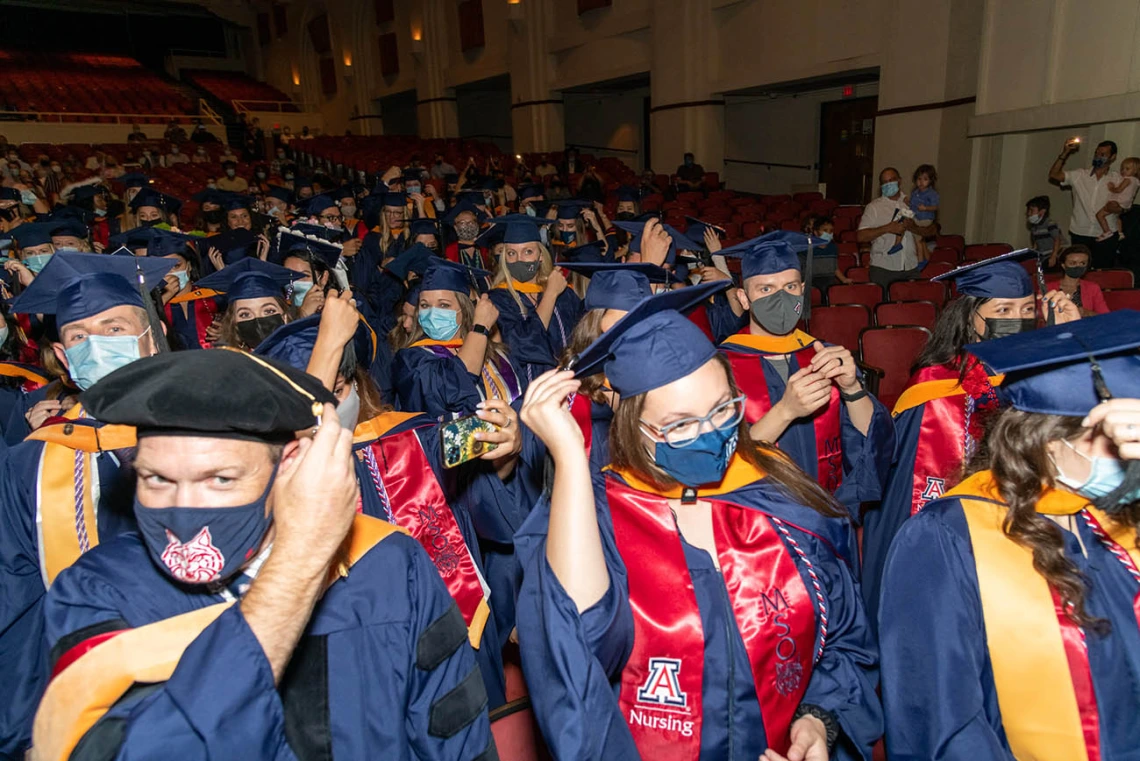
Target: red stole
(700, 318)
(941, 446)
(661, 684)
(419, 506)
(581, 409)
(748, 370)
(201, 312)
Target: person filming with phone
(1090, 192)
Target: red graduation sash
(419, 506)
(202, 309)
(700, 318)
(941, 447)
(661, 683)
(581, 410)
(749, 374)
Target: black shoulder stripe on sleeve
(441, 639)
(69, 641)
(459, 707)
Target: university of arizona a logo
(663, 686)
(935, 488)
(197, 561)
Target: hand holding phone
(457, 438)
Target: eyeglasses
(331, 218)
(684, 432)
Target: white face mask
(349, 410)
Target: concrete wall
(608, 120)
(42, 132)
(485, 114)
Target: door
(847, 148)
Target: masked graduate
(805, 396)
(614, 289)
(189, 311)
(399, 467)
(249, 596)
(153, 208)
(454, 360)
(940, 418)
(537, 312)
(65, 489)
(257, 302)
(692, 605)
(1008, 621)
(466, 219)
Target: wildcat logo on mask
(197, 561)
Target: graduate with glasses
(694, 601)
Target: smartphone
(457, 438)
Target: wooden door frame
(822, 140)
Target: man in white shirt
(888, 224)
(1090, 193)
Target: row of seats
(229, 86)
(77, 83)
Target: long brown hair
(1017, 455)
(585, 333)
(466, 321)
(628, 452)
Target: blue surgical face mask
(96, 357)
(530, 212)
(28, 198)
(1106, 474)
(36, 262)
(199, 545)
(300, 290)
(889, 189)
(100, 212)
(4, 331)
(439, 324)
(1034, 218)
(702, 462)
(183, 278)
(1098, 162)
(826, 237)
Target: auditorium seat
(1116, 279)
(840, 324)
(921, 313)
(981, 251)
(918, 290)
(944, 254)
(889, 353)
(956, 242)
(934, 269)
(1124, 299)
(867, 294)
(858, 274)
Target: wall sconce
(417, 41)
(347, 59)
(296, 78)
(348, 67)
(515, 13)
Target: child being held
(1120, 197)
(924, 198)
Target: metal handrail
(209, 112)
(273, 105)
(57, 116)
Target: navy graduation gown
(723, 321)
(440, 387)
(23, 652)
(573, 662)
(866, 459)
(357, 658)
(535, 348)
(938, 690)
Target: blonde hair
(386, 236)
(1132, 161)
(503, 275)
(466, 320)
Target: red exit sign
(848, 91)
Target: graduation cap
(236, 201)
(250, 278)
(151, 197)
(414, 258)
(303, 237)
(998, 278)
(210, 195)
(520, 228)
(572, 208)
(166, 242)
(31, 234)
(462, 206)
(769, 253)
(346, 191)
(678, 240)
(293, 342)
(587, 253)
(616, 285)
(491, 237)
(134, 180)
(626, 193)
(67, 225)
(395, 200)
(412, 174)
(234, 245)
(1068, 369)
(317, 204)
(213, 393)
(11, 194)
(444, 275)
(133, 239)
(76, 286)
(696, 232)
(451, 178)
(413, 295)
(531, 191)
(653, 344)
(422, 226)
(82, 193)
(280, 193)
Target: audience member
(441, 168)
(888, 225)
(137, 135)
(1090, 193)
(231, 182)
(690, 174)
(174, 132)
(1120, 198)
(1044, 235)
(923, 199)
(1083, 292)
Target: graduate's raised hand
(1062, 307)
(486, 313)
(807, 391)
(1120, 421)
(836, 364)
(351, 247)
(654, 243)
(546, 412)
(339, 318)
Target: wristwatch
(862, 392)
(482, 330)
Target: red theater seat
(921, 313)
(1126, 299)
(867, 294)
(1114, 279)
(840, 324)
(889, 354)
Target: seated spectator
(545, 169)
(649, 183)
(571, 164)
(94, 162)
(200, 155)
(690, 174)
(228, 155)
(441, 168)
(923, 199)
(1085, 294)
(825, 270)
(305, 135)
(137, 135)
(174, 132)
(590, 185)
(176, 156)
(287, 136)
(231, 181)
(1044, 234)
(201, 134)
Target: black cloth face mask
(1000, 327)
(253, 332)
